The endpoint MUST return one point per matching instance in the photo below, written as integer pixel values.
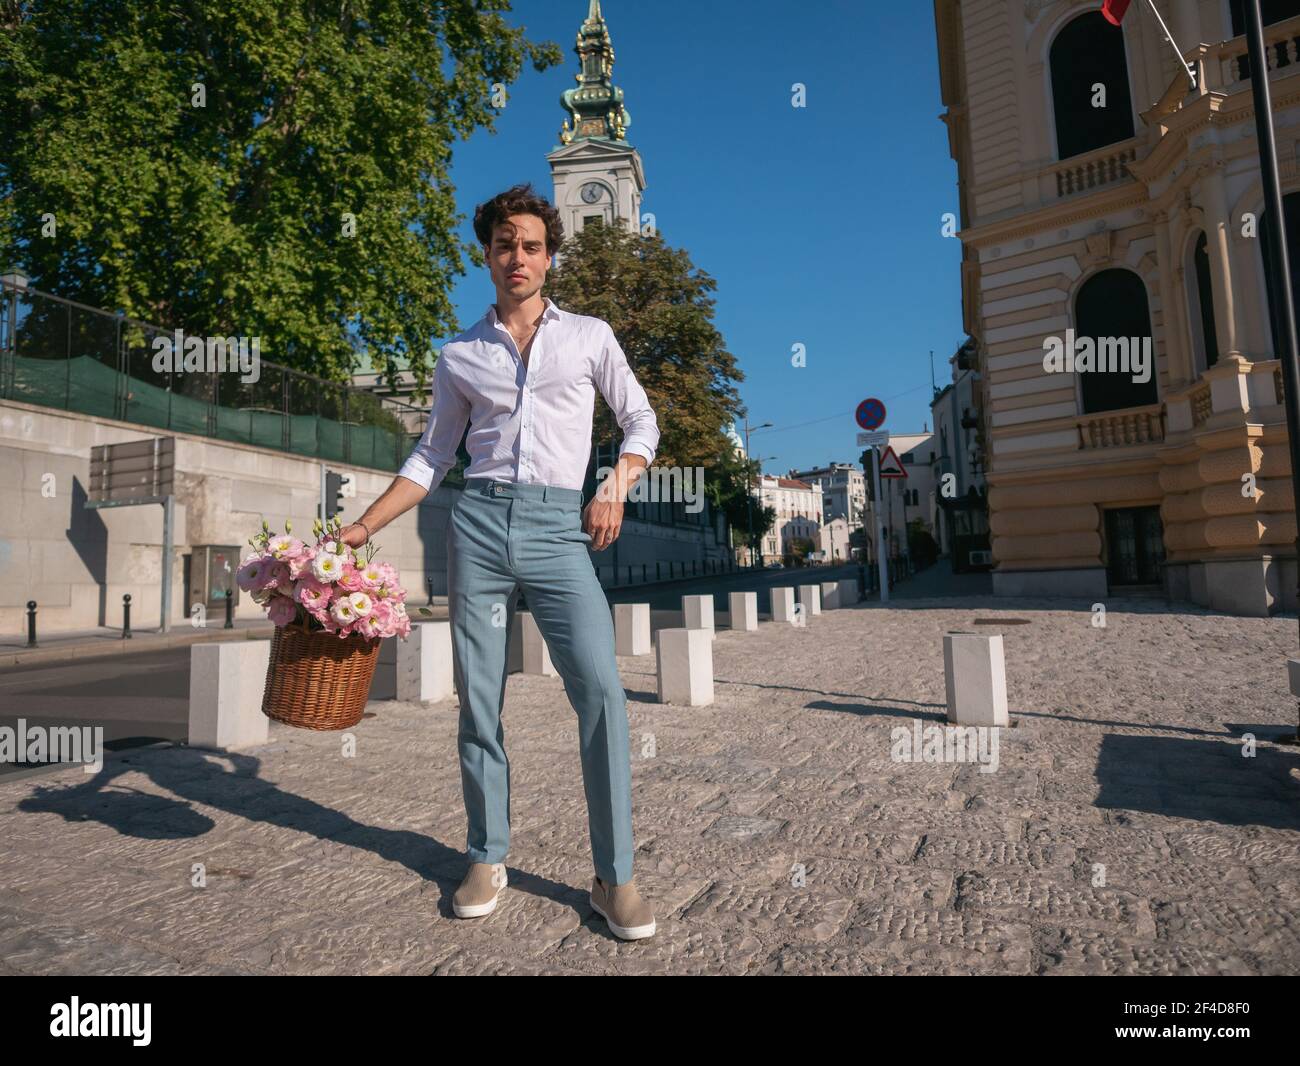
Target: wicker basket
(317, 680)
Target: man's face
(517, 257)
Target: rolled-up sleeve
(627, 399)
(435, 454)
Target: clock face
(591, 192)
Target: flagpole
(1191, 70)
(1278, 277)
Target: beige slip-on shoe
(628, 915)
(478, 893)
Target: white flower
(361, 604)
(343, 611)
(327, 566)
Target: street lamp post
(1279, 280)
(760, 461)
(749, 496)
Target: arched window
(1089, 52)
(1291, 209)
(1110, 308)
(1200, 298)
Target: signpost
(133, 473)
(870, 415)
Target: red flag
(1113, 11)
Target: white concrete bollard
(697, 613)
(684, 666)
(848, 595)
(830, 594)
(811, 598)
(783, 604)
(537, 656)
(632, 629)
(424, 670)
(976, 678)
(743, 610)
(418, 669)
(227, 679)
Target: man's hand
(353, 536)
(603, 518)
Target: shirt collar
(551, 312)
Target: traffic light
(334, 483)
(865, 460)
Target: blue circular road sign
(870, 413)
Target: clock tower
(595, 171)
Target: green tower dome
(596, 105)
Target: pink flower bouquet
(324, 586)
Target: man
(524, 379)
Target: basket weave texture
(316, 680)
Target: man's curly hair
(518, 200)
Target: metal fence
(623, 575)
(59, 353)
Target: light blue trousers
(504, 536)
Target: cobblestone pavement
(1126, 755)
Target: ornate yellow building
(1101, 193)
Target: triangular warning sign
(889, 464)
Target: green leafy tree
(799, 549)
(920, 544)
(728, 483)
(198, 164)
(659, 307)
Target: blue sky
(821, 225)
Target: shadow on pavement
(1204, 781)
(187, 773)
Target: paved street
(1123, 831)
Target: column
(1218, 247)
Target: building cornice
(1057, 215)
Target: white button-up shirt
(529, 423)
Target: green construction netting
(84, 384)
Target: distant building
(798, 507)
(737, 442)
(906, 499)
(843, 488)
(833, 540)
(958, 500)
